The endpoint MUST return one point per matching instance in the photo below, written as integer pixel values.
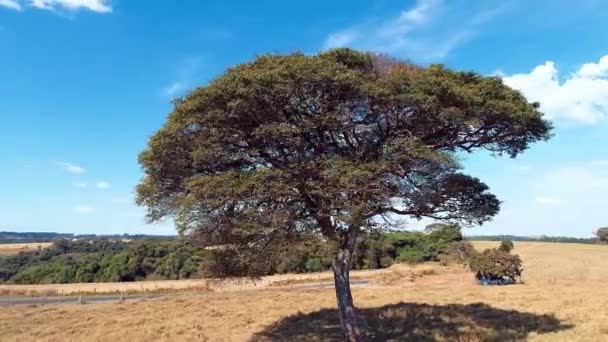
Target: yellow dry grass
(14, 248)
(564, 298)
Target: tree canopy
(332, 143)
(319, 142)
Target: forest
(104, 260)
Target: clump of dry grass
(400, 273)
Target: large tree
(336, 143)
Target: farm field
(564, 298)
(14, 248)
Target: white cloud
(80, 184)
(11, 4)
(83, 209)
(547, 200)
(580, 97)
(103, 185)
(417, 15)
(430, 29)
(99, 6)
(595, 70)
(71, 168)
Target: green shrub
(314, 265)
(444, 233)
(411, 256)
(506, 246)
(496, 264)
(386, 262)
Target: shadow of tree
(416, 322)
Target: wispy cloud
(80, 184)
(11, 4)
(103, 185)
(99, 6)
(430, 29)
(186, 73)
(83, 209)
(174, 88)
(71, 168)
(341, 39)
(582, 97)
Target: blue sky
(85, 82)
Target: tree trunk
(341, 267)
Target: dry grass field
(214, 285)
(14, 248)
(564, 298)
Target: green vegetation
(506, 246)
(108, 261)
(496, 266)
(101, 261)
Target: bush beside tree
(494, 266)
(602, 234)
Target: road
(6, 301)
(331, 284)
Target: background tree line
(542, 238)
(103, 260)
(32, 237)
